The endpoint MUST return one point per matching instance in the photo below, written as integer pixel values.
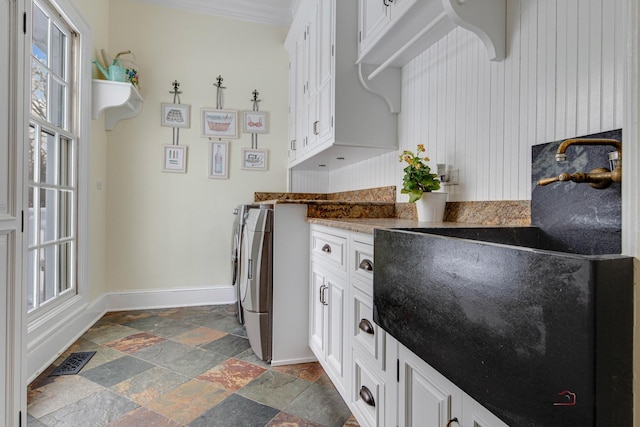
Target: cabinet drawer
(329, 248)
(366, 336)
(368, 394)
(363, 262)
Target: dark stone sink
(515, 318)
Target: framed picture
(254, 159)
(174, 158)
(255, 122)
(219, 159)
(176, 115)
(219, 123)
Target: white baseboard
(58, 334)
(163, 298)
(296, 361)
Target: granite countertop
(324, 202)
(365, 210)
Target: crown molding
(272, 12)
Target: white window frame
(46, 332)
(59, 132)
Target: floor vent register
(73, 364)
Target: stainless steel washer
(236, 246)
(256, 280)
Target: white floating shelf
(119, 100)
(420, 26)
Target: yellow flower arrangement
(418, 178)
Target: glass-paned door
(52, 162)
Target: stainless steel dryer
(256, 280)
(236, 246)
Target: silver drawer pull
(366, 326)
(326, 248)
(366, 265)
(367, 396)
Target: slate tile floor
(189, 366)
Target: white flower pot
(431, 206)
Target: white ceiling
(273, 12)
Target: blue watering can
(116, 71)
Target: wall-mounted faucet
(598, 177)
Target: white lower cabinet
(368, 394)
(327, 336)
(425, 398)
(383, 383)
(373, 362)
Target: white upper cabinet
(374, 17)
(393, 32)
(338, 121)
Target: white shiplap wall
(562, 77)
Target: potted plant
(419, 180)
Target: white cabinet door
(301, 73)
(374, 16)
(293, 83)
(369, 393)
(327, 335)
(324, 115)
(339, 112)
(326, 322)
(313, 40)
(317, 313)
(311, 134)
(335, 325)
(400, 7)
(425, 398)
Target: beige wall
(167, 230)
(96, 13)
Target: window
(52, 162)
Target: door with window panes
(51, 163)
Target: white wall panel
(562, 77)
(309, 182)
